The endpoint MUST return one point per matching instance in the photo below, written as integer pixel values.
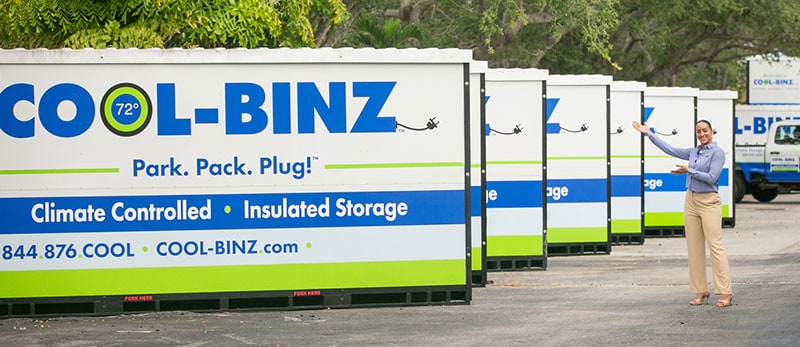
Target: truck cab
(765, 170)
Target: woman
(702, 211)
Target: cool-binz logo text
(126, 109)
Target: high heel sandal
(701, 300)
(724, 303)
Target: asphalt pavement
(636, 296)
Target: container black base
(282, 300)
(557, 249)
(478, 278)
(678, 231)
(627, 239)
(728, 222)
(495, 264)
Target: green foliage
(701, 43)
(697, 43)
(249, 23)
(497, 16)
(451, 24)
(518, 33)
(163, 23)
(368, 31)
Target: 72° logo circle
(126, 109)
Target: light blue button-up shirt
(705, 164)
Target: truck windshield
(788, 135)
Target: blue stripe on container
(674, 183)
(424, 208)
(664, 182)
(578, 190)
(515, 194)
(723, 177)
(475, 201)
(626, 185)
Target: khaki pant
(702, 216)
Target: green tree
(545, 24)
(698, 43)
(164, 23)
(370, 32)
(507, 33)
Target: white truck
(767, 149)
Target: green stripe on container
(514, 162)
(626, 157)
(577, 235)
(477, 264)
(626, 226)
(663, 219)
(577, 158)
(670, 219)
(514, 246)
(391, 165)
(60, 171)
(674, 218)
(217, 279)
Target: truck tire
(739, 187)
(765, 195)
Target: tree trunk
(322, 35)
